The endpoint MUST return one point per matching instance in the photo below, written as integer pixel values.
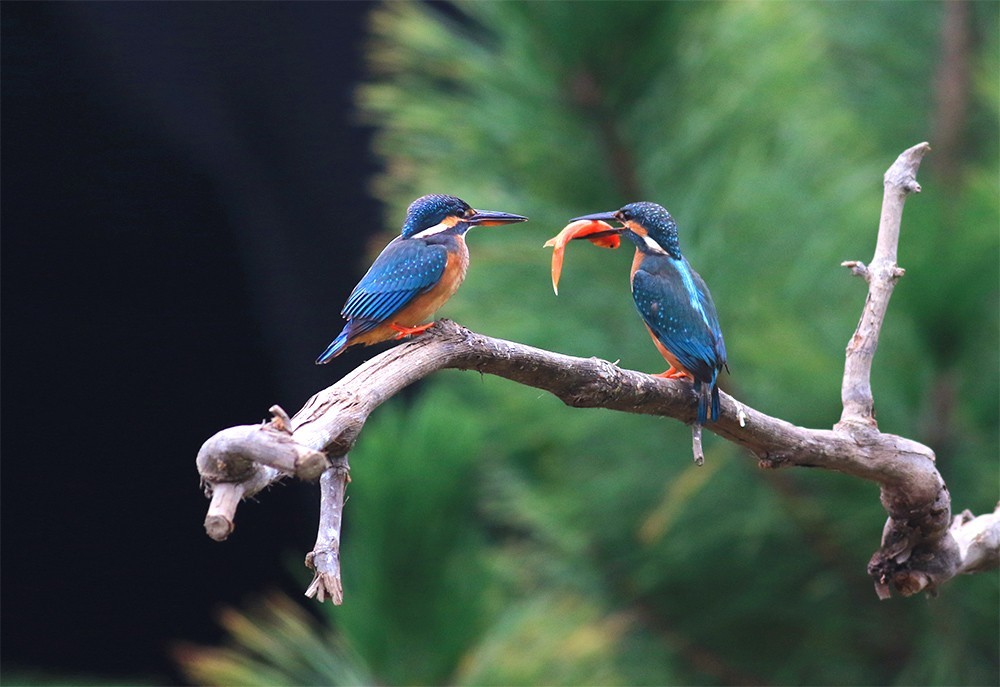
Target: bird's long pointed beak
(610, 216)
(492, 218)
(591, 236)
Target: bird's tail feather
(708, 394)
(335, 348)
(701, 390)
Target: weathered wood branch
(881, 275)
(922, 546)
(238, 462)
(324, 559)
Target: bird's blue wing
(674, 302)
(405, 268)
(712, 316)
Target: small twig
(280, 419)
(741, 415)
(856, 391)
(696, 449)
(858, 268)
(978, 540)
(219, 521)
(324, 559)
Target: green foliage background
(497, 537)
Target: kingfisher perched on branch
(414, 275)
(671, 297)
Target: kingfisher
(414, 275)
(671, 297)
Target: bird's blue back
(675, 304)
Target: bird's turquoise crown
(428, 211)
(657, 221)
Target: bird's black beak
(611, 216)
(599, 217)
(492, 218)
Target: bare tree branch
(238, 462)
(921, 548)
(881, 275)
(324, 559)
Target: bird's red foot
(674, 373)
(403, 332)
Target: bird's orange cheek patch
(579, 229)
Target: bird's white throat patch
(653, 245)
(444, 225)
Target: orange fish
(598, 233)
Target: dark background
(184, 210)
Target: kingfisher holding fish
(671, 297)
(414, 275)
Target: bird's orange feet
(403, 332)
(674, 373)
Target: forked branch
(922, 546)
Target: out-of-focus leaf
(274, 642)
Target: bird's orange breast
(636, 261)
(423, 305)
